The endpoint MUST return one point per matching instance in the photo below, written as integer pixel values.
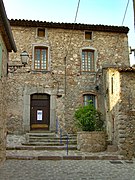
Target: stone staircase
(50, 141)
(49, 146)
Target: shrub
(88, 118)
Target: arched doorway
(40, 112)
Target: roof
(103, 28)
(127, 69)
(5, 29)
(120, 68)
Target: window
(88, 63)
(41, 58)
(88, 35)
(112, 85)
(89, 97)
(41, 32)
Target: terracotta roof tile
(103, 28)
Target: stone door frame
(28, 91)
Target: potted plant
(92, 137)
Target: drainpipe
(65, 63)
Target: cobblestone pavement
(67, 170)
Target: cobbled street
(67, 170)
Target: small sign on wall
(39, 115)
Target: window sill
(88, 39)
(88, 72)
(40, 71)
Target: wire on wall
(73, 27)
(117, 41)
(125, 12)
(65, 59)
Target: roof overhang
(5, 29)
(70, 26)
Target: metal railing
(62, 132)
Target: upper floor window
(88, 35)
(89, 98)
(88, 63)
(41, 32)
(41, 58)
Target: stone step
(112, 158)
(46, 144)
(53, 140)
(49, 139)
(112, 148)
(54, 148)
(51, 135)
(48, 134)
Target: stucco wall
(112, 100)
(75, 83)
(3, 105)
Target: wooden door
(40, 112)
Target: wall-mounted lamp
(131, 50)
(24, 57)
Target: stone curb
(11, 157)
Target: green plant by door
(88, 118)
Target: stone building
(6, 45)
(119, 96)
(68, 64)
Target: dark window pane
(41, 58)
(41, 32)
(88, 60)
(88, 35)
(89, 98)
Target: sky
(106, 12)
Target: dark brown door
(40, 112)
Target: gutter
(7, 26)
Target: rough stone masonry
(64, 80)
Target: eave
(5, 30)
(70, 26)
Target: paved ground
(40, 168)
(67, 170)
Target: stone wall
(91, 141)
(120, 109)
(126, 125)
(67, 85)
(3, 105)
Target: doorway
(40, 112)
